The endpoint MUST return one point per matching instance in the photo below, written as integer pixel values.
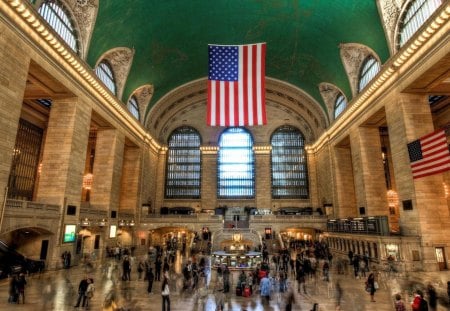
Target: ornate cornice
(120, 59)
(85, 14)
(352, 56)
(143, 96)
(390, 12)
(329, 93)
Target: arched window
(133, 107)
(183, 174)
(339, 105)
(415, 15)
(58, 17)
(105, 73)
(369, 70)
(236, 165)
(289, 168)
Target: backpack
(423, 305)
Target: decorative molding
(329, 93)
(85, 14)
(352, 56)
(143, 96)
(120, 60)
(390, 11)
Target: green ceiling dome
(170, 38)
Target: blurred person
(150, 278)
(432, 297)
(109, 304)
(371, 284)
(339, 293)
(165, 293)
(265, 286)
(20, 285)
(399, 304)
(89, 291)
(82, 287)
(219, 296)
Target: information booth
(236, 261)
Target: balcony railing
(12, 204)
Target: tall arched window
(236, 165)
(105, 73)
(339, 105)
(58, 17)
(417, 12)
(369, 70)
(183, 174)
(289, 167)
(133, 107)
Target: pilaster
(409, 119)
(370, 184)
(108, 163)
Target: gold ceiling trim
(29, 22)
(387, 72)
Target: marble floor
(132, 295)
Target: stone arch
(120, 59)
(186, 105)
(143, 95)
(353, 56)
(84, 14)
(329, 93)
(390, 12)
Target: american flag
(430, 154)
(236, 85)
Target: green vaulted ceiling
(170, 38)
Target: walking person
(432, 297)
(399, 304)
(165, 293)
(20, 284)
(371, 285)
(265, 287)
(150, 276)
(82, 287)
(89, 292)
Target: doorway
(440, 257)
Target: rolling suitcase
(247, 292)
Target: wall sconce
(131, 224)
(102, 223)
(85, 223)
(122, 223)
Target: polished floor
(132, 295)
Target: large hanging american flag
(429, 155)
(236, 85)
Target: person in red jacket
(417, 299)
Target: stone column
(63, 161)
(409, 118)
(370, 183)
(345, 187)
(263, 187)
(107, 171)
(131, 175)
(160, 179)
(13, 77)
(209, 178)
(64, 153)
(313, 190)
